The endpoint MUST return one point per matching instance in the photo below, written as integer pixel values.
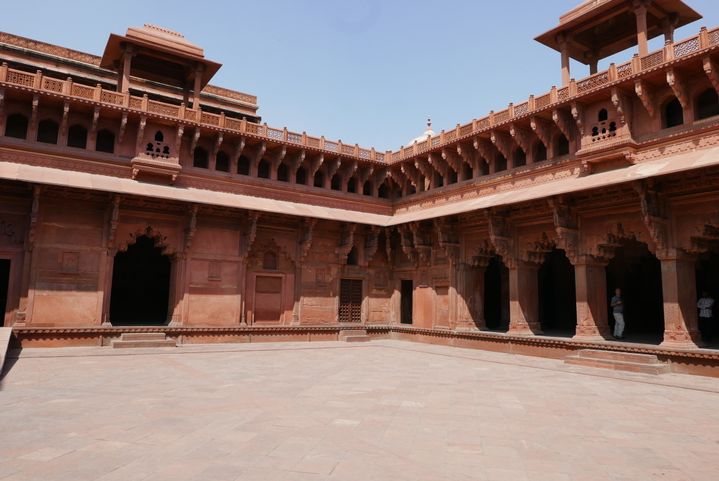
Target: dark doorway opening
(707, 274)
(350, 300)
(557, 298)
(4, 287)
(637, 272)
(140, 285)
(496, 295)
(407, 289)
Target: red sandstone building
(135, 195)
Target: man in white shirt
(705, 304)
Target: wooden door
(350, 300)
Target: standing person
(618, 311)
(705, 304)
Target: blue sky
(365, 71)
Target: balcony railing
(705, 39)
(68, 88)
(671, 51)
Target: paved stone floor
(330, 411)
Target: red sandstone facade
(133, 193)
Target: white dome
(426, 135)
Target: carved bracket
(248, 232)
(522, 137)
(678, 85)
(195, 139)
(563, 123)
(537, 251)
(654, 213)
(503, 143)
(422, 241)
(566, 227)
(123, 126)
(483, 254)
(448, 238)
(346, 243)
(578, 115)
(710, 68)
(543, 130)
(500, 236)
(371, 243)
(315, 164)
(191, 227)
(34, 216)
(623, 105)
(307, 228)
(114, 222)
(646, 95)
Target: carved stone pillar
(177, 309)
(640, 10)
(679, 293)
(22, 316)
(591, 297)
(564, 51)
(524, 299)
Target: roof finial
(429, 123)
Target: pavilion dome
(426, 135)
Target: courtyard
(385, 410)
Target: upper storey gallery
(146, 109)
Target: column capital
(675, 254)
(590, 260)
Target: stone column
(524, 299)
(177, 310)
(590, 280)
(640, 10)
(124, 81)
(680, 298)
(197, 89)
(564, 50)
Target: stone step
(618, 356)
(143, 336)
(354, 335)
(618, 364)
(144, 343)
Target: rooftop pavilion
(597, 29)
(161, 55)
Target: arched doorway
(140, 285)
(496, 295)
(637, 272)
(557, 295)
(707, 275)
